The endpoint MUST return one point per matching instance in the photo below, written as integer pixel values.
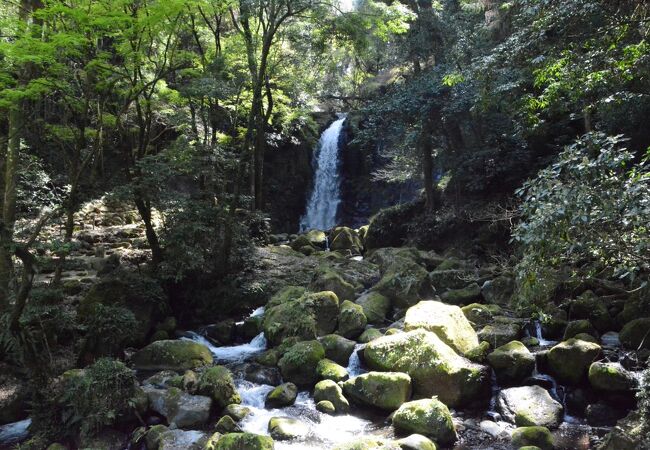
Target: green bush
(108, 330)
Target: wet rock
(218, 384)
(375, 306)
(298, 364)
(326, 407)
(499, 290)
(480, 314)
(227, 425)
(512, 362)
(502, 331)
(635, 335)
(601, 414)
(181, 409)
(529, 406)
(463, 296)
(237, 412)
(328, 390)
(534, 436)
(383, 390)
(576, 327)
(337, 348)
(434, 367)
(570, 360)
(286, 428)
(429, 417)
(328, 279)
(244, 441)
(352, 320)
(329, 370)
(447, 321)
(611, 377)
(283, 395)
(610, 339)
(259, 374)
(344, 238)
(404, 283)
(628, 434)
(175, 355)
(416, 442)
(223, 332)
(369, 335)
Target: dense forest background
(512, 131)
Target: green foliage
(109, 329)
(589, 209)
(643, 397)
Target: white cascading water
(326, 195)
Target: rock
(434, 367)
(152, 438)
(628, 434)
(328, 279)
(317, 238)
(227, 425)
(307, 317)
(283, 395)
(590, 307)
(500, 333)
(237, 412)
(107, 439)
(181, 409)
(529, 406)
(298, 364)
(383, 390)
(375, 306)
(611, 377)
(462, 296)
(569, 360)
(223, 332)
(329, 370)
(352, 320)
(368, 443)
(404, 284)
(268, 358)
(512, 362)
(635, 334)
(328, 390)
(244, 441)
(370, 335)
(344, 238)
(447, 321)
(479, 314)
(286, 428)
(499, 290)
(13, 399)
(260, 374)
(416, 442)
(429, 417)
(479, 353)
(576, 327)
(326, 407)
(337, 348)
(445, 278)
(178, 355)
(601, 414)
(218, 384)
(610, 339)
(534, 436)
(251, 327)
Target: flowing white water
(326, 195)
(232, 354)
(13, 433)
(354, 364)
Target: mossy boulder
(344, 238)
(501, 331)
(326, 407)
(529, 406)
(328, 390)
(611, 377)
(177, 355)
(298, 364)
(317, 238)
(429, 417)
(328, 279)
(180, 408)
(443, 279)
(236, 411)
(404, 284)
(329, 370)
(576, 327)
(369, 443)
(447, 321)
(512, 362)
(416, 442)
(370, 335)
(539, 437)
(286, 428)
(499, 290)
(282, 395)
(383, 390)
(479, 353)
(480, 314)
(462, 296)
(305, 317)
(591, 308)
(286, 294)
(636, 334)
(352, 320)
(375, 306)
(569, 360)
(244, 441)
(226, 425)
(218, 384)
(434, 367)
(337, 348)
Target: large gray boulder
(529, 406)
(181, 410)
(177, 355)
(512, 362)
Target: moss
(268, 358)
(383, 390)
(337, 348)
(369, 443)
(226, 425)
(570, 360)
(369, 335)
(536, 436)
(299, 363)
(172, 355)
(479, 353)
(404, 283)
(429, 417)
(330, 391)
(217, 383)
(512, 362)
(611, 377)
(480, 314)
(352, 320)
(283, 395)
(576, 327)
(328, 279)
(375, 307)
(285, 295)
(326, 407)
(462, 296)
(634, 334)
(237, 412)
(244, 441)
(329, 370)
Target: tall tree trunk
(144, 208)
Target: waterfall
(326, 196)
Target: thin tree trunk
(144, 208)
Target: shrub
(108, 330)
